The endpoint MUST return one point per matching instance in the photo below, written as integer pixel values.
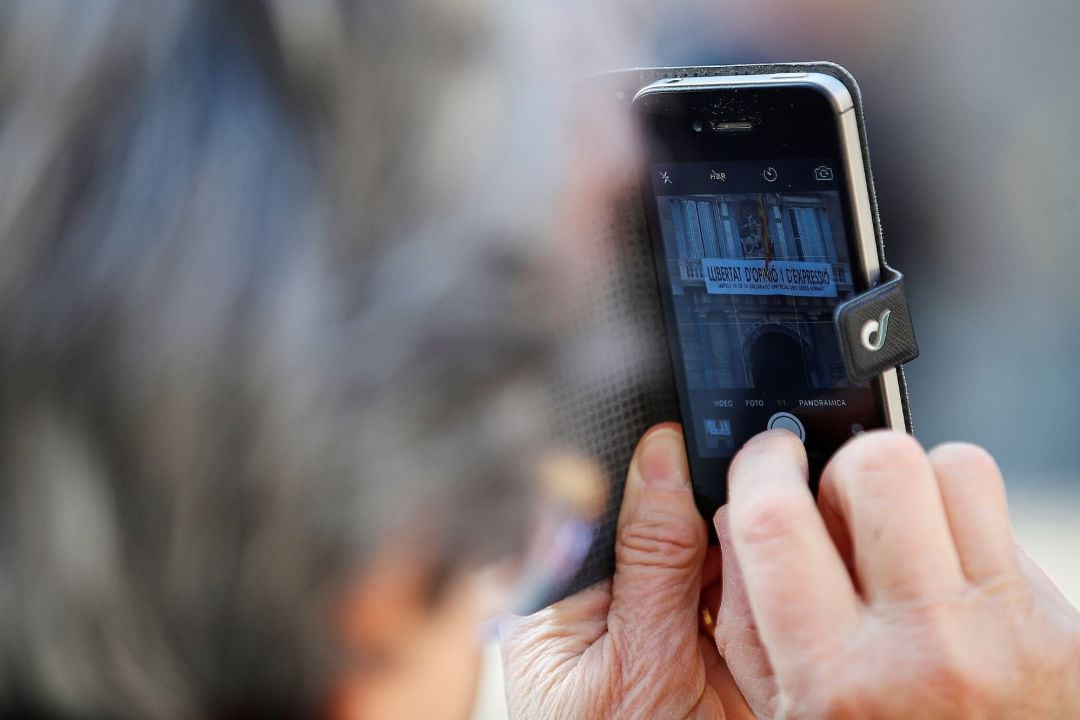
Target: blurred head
(271, 281)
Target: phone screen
(752, 236)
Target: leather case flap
(875, 329)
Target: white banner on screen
(777, 277)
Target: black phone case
(618, 379)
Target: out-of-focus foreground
(152, 149)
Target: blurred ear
(410, 653)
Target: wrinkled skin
(630, 647)
(901, 593)
(898, 593)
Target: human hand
(631, 647)
(901, 593)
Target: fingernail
(661, 461)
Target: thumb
(659, 552)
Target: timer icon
(770, 174)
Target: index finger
(801, 595)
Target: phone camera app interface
(756, 258)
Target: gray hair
(270, 274)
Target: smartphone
(759, 216)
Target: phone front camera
(697, 125)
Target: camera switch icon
(823, 173)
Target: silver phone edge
(859, 194)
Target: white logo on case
(881, 327)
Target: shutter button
(787, 421)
